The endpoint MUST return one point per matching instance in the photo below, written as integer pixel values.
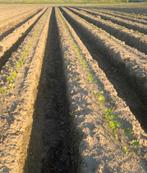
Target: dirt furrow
(115, 64)
(52, 127)
(122, 16)
(86, 82)
(10, 26)
(18, 100)
(132, 11)
(128, 24)
(12, 41)
(73, 90)
(134, 39)
(135, 15)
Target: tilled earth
(73, 90)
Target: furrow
(16, 113)
(52, 128)
(133, 39)
(140, 11)
(13, 40)
(114, 63)
(135, 15)
(86, 82)
(123, 16)
(135, 26)
(73, 89)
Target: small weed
(100, 97)
(125, 149)
(2, 90)
(12, 77)
(109, 115)
(135, 143)
(84, 63)
(114, 125)
(90, 77)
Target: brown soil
(9, 26)
(129, 37)
(123, 16)
(88, 112)
(18, 101)
(115, 74)
(128, 24)
(13, 40)
(52, 126)
(59, 81)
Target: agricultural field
(73, 89)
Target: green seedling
(109, 115)
(114, 124)
(100, 97)
(135, 143)
(19, 64)
(24, 54)
(84, 63)
(12, 77)
(2, 90)
(90, 77)
(125, 149)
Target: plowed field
(73, 90)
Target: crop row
(123, 16)
(135, 25)
(131, 38)
(122, 56)
(19, 80)
(134, 15)
(73, 96)
(10, 25)
(13, 37)
(84, 75)
(138, 12)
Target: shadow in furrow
(113, 31)
(124, 86)
(53, 147)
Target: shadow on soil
(15, 46)
(54, 142)
(125, 87)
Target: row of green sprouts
(10, 77)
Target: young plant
(135, 143)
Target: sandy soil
(96, 148)
(131, 25)
(72, 96)
(18, 101)
(127, 36)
